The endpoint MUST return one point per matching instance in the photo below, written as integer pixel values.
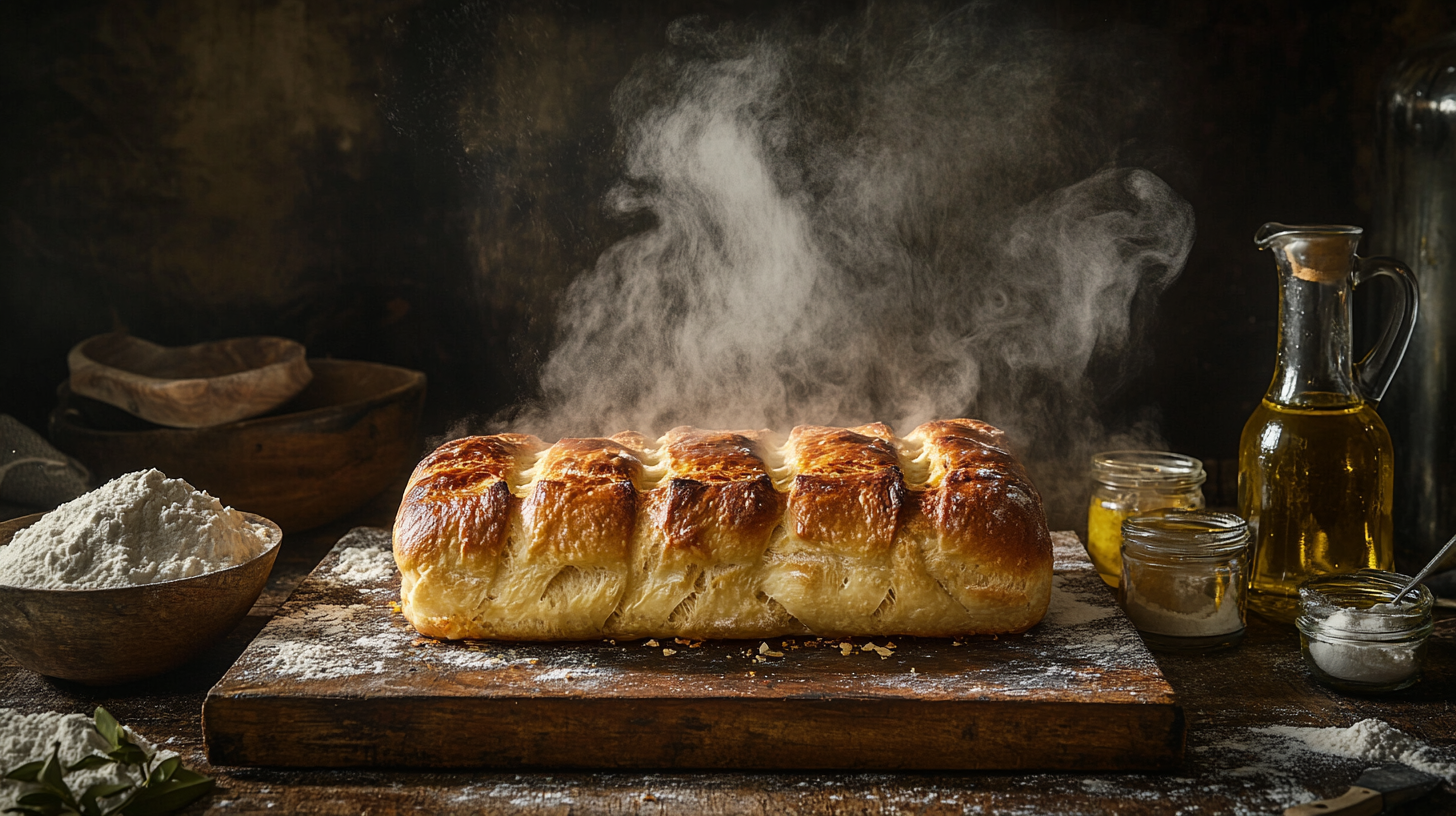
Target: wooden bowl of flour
(101, 637)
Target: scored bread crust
(723, 534)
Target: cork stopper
(1323, 253)
(1319, 261)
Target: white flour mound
(140, 528)
(26, 737)
(1373, 741)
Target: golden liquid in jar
(1315, 486)
(1104, 538)
(1104, 526)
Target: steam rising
(884, 220)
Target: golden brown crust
(717, 496)
(849, 491)
(722, 534)
(459, 496)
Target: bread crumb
(669, 652)
(652, 643)
(753, 674)
(882, 652)
(763, 648)
(912, 670)
(395, 607)
(867, 647)
(774, 654)
(956, 643)
(846, 649)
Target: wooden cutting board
(340, 679)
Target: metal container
(1415, 220)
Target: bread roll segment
(719, 534)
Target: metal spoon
(1426, 570)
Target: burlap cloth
(34, 474)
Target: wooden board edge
(858, 735)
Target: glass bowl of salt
(1355, 638)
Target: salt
(1354, 645)
(1363, 662)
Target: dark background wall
(416, 182)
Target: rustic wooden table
(1231, 766)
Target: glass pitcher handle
(1374, 373)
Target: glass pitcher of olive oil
(1315, 460)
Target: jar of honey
(1127, 483)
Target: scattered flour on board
(364, 565)
(1070, 606)
(306, 643)
(307, 661)
(26, 737)
(140, 528)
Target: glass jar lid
(1134, 468)
(1186, 534)
(1358, 605)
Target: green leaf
(89, 762)
(50, 772)
(165, 770)
(189, 776)
(101, 790)
(107, 726)
(184, 788)
(128, 754)
(27, 772)
(25, 810)
(44, 803)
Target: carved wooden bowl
(106, 636)
(353, 432)
(189, 386)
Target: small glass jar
(1126, 483)
(1183, 574)
(1354, 639)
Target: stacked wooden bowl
(349, 430)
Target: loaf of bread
(711, 534)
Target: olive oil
(1315, 486)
